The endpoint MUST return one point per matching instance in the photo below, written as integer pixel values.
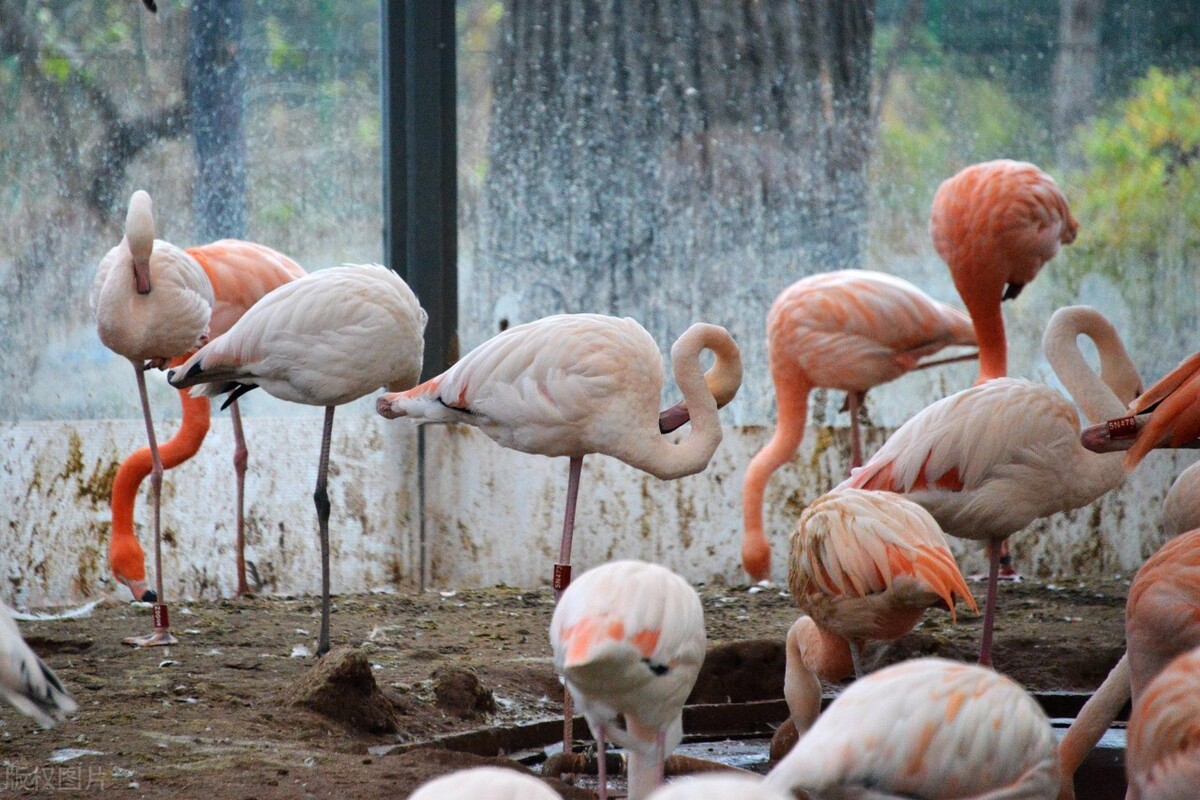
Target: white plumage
(927, 728)
(718, 787)
(25, 680)
(485, 783)
(628, 639)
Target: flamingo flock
(867, 559)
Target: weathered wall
(493, 515)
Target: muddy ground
(215, 717)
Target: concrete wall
(492, 515)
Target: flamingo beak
(141, 276)
(672, 418)
(141, 591)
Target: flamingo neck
(139, 227)
(791, 398)
(1093, 720)
(659, 456)
(989, 332)
(811, 653)
(1102, 396)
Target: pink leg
(854, 400)
(162, 626)
(661, 759)
(602, 764)
(321, 499)
(240, 457)
(989, 609)
(562, 579)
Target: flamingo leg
(562, 579)
(321, 499)
(989, 610)
(240, 457)
(162, 626)
(602, 763)
(660, 759)
(854, 401)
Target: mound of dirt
(342, 687)
(459, 692)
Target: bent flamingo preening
(240, 273)
(849, 330)
(326, 339)
(989, 460)
(152, 302)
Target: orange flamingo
(240, 273)
(864, 566)
(849, 330)
(928, 728)
(989, 460)
(1162, 620)
(1162, 760)
(995, 225)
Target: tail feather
(38, 693)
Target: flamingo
(1162, 761)
(864, 565)
(995, 224)
(928, 728)
(1162, 620)
(325, 339)
(574, 384)
(718, 787)
(152, 302)
(485, 783)
(849, 330)
(26, 682)
(240, 273)
(989, 460)
(628, 639)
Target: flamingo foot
(160, 638)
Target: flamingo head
(140, 589)
(756, 558)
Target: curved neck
(1102, 396)
(1092, 721)
(811, 653)
(139, 226)
(657, 455)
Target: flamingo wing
(26, 682)
(1174, 401)
(1162, 758)
(241, 273)
(926, 728)
(1163, 608)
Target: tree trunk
(216, 81)
(1077, 66)
(672, 160)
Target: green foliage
(1139, 194)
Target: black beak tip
(149, 596)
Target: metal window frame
(420, 163)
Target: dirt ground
(213, 717)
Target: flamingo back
(926, 728)
(26, 682)
(325, 339)
(485, 783)
(855, 329)
(1163, 754)
(241, 273)
(1162, 611)
(628, 638)
(851, 544)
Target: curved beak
(141, 276)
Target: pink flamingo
(628, 639)
(492, 783)
(718, 787)
(326, 339)
(240, 273)
(927, 728)
(152, 302)
(864, 566)
(995, 225)
(849, 330)
(1161, 759)
(989, 460)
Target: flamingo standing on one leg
(326, 339)
(628, 639)
(989, 460)
(152, 302)
(26, 682)
(1162, 620)
(996, 224)
(1162, 760)
(240, 273)
(849, 330)
(928, 728)
(573, 384)
(480, 783)
(864, 566)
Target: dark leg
(854, 400)
(321, 498)
(240, 457)
(562, 579)
(162, 626)
(989, 609)
(602, 763)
